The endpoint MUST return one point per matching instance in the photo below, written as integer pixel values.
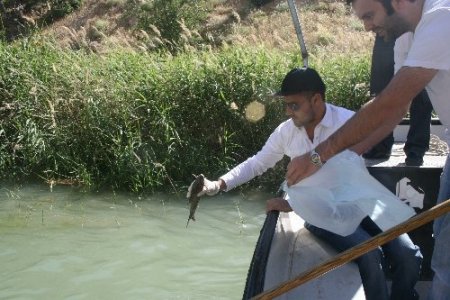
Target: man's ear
(316, 97)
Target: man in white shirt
(427, 65)
(312, 120)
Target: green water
(66, 244)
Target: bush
(173, 18)
(22, 18)
(60, 8)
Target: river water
(68, 244)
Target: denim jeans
(401, 255)
(440, 262)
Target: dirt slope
(99, 25)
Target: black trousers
(382, 71)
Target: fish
(197, 187)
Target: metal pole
(298, 30)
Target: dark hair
(300, 80)
(387, 4)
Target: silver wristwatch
(315, 158)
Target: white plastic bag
(342, 193)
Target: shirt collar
(327, 120)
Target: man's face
(373, 14)
(299, 108)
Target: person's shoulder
(433, 5)
(339, 110)
(404, 41)
(286, 125)
(283, 130)
(338, 115)
(435, 14)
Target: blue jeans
(403, 258)
(440, 262)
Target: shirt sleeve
(430, 48)
(401, 48)
(267, 157)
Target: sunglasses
(292, 106)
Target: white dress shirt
(428, 47)
(287, 139)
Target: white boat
(285, 248)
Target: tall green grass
(144, 122)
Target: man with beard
(426, 65)
(312, 120)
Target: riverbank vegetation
(144, 118)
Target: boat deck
(294, 250)
(433, 159)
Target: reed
(140, 121)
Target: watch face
(315, 159)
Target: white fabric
(342, 193)
(287, 139)
(401, 48)
(429, 47)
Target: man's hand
(299, 168)
(278, 204)
(210, 188)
